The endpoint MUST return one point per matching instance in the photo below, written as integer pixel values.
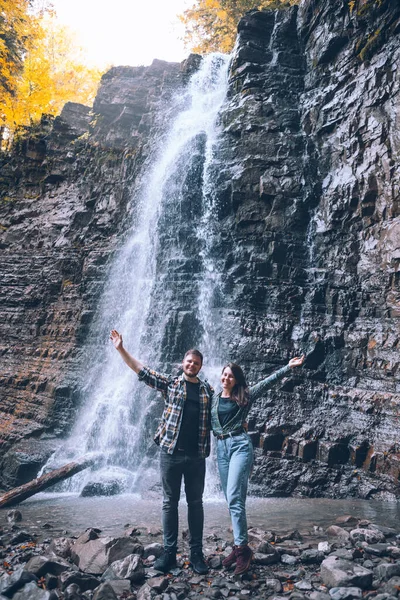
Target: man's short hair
(195, 352)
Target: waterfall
(116, 417)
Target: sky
(125, 32)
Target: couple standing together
(184, 439)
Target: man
(184, 439)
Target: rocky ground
(350, 559)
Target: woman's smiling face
(228, 381)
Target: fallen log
(43, 482)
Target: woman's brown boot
(230, 559)
(244, 555)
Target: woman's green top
(237, 421)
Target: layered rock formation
(305, 238)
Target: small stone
(88, 535)
(319, 596)
(345, 593)
(104, 592)
(336, 531)
(348, 520)
(155, 549)
(131, 567)
(61, 547)
(215, 562)
(41, 565)
(31, 592)
(377, 549)
(14, 516)
(324, 547)
(387, 531)
(82, 580)
(9, 584)
(158, 584)
(286, 559)
(21, 537)
(336, 572)
(303, 586)
(386, 571)
(313, 556)
(371, 536)
(392, 586)
(274, 585)
(266, 559)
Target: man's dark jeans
(173, 467)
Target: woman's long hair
(240, 392)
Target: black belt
(224, 436)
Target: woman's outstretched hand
(297, 361)
(116, 339)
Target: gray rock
(130, 567)
(319, 596)
(371, 536)
(41, 565)
(72, 592)
(88, 535)
(121, 587)
(345, 593)
(313, 556)
(336, 572)
(377, 549)
(273, 584)
(386, 571)
(158, 584)
(336, 531)
(14, 516)
(105, 591)
(61, 547)
(83, 580)
(9, 584)
(303, 586)
(392, 586)
(267, 559)
(31, 591)
(287, 559)
(21, 537)
(92, 556)
(153, 550)
(347, 520)
(324, 547)
(215, 562)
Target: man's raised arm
(132, 362)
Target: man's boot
(166, 561)
(198, 563)
(230, 559)
(244, 555)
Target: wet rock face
(308, 177)
(307, 241)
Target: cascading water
(116, 410)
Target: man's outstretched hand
(297, 361)
(116, 339)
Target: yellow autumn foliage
(52, 72)
(211, 25)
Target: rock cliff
(306, 239)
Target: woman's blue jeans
(235, 458)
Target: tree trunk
(42, 483)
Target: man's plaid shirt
(173, 390)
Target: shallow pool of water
(71, 513)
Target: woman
(235, 450)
